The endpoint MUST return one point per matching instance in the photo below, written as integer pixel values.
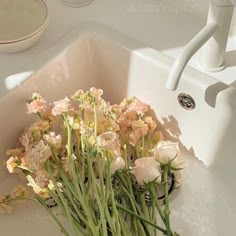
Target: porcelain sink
(95, 55)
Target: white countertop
(166, 25)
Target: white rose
(117, 164)
(146, 170)
(168, 152)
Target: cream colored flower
(168, 152)
(117, 164)
(96, 92)
(11, 164)
(53, 140)
(109, 141)
(42, 192)
(74, 120)
(146, 170)
(77, 94)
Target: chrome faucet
(213, 36)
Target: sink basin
(95, 55)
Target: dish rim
(39, 29)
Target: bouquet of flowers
(106, 167)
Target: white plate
(20, 19)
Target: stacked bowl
(22, 23)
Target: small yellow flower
(20, 191)
(14, 152)
(5, 207)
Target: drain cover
(186, 101)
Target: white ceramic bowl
(22, 44)
(77, 3)
(22, 23)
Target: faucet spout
(214, 36)
(193, 46)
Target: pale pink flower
(168, 152)
(53, 140)
(25, 139)
(36, 106)
(136, 124)
(109, 141)
(42, 179)
(105, 122)
(117, 164)
(35, 157)
(125, 121)
(85, 130)
(137, 134)
(96, 92)
(130, 115)
(138, 106)
(11, 164)
(146, 170)
(61, 106)
(150, 122)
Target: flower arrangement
(105, 166)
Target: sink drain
(186, 101)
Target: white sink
(94, 55)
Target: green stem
(153, 212)
(144, 212)
(167, 209)
(130, 194)
(95, 119)
(140, 218)
(97, 197)
(39, 200)
(62, 198)
(157, 203)
(143, 145)
(144, 206)
(73, 170)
